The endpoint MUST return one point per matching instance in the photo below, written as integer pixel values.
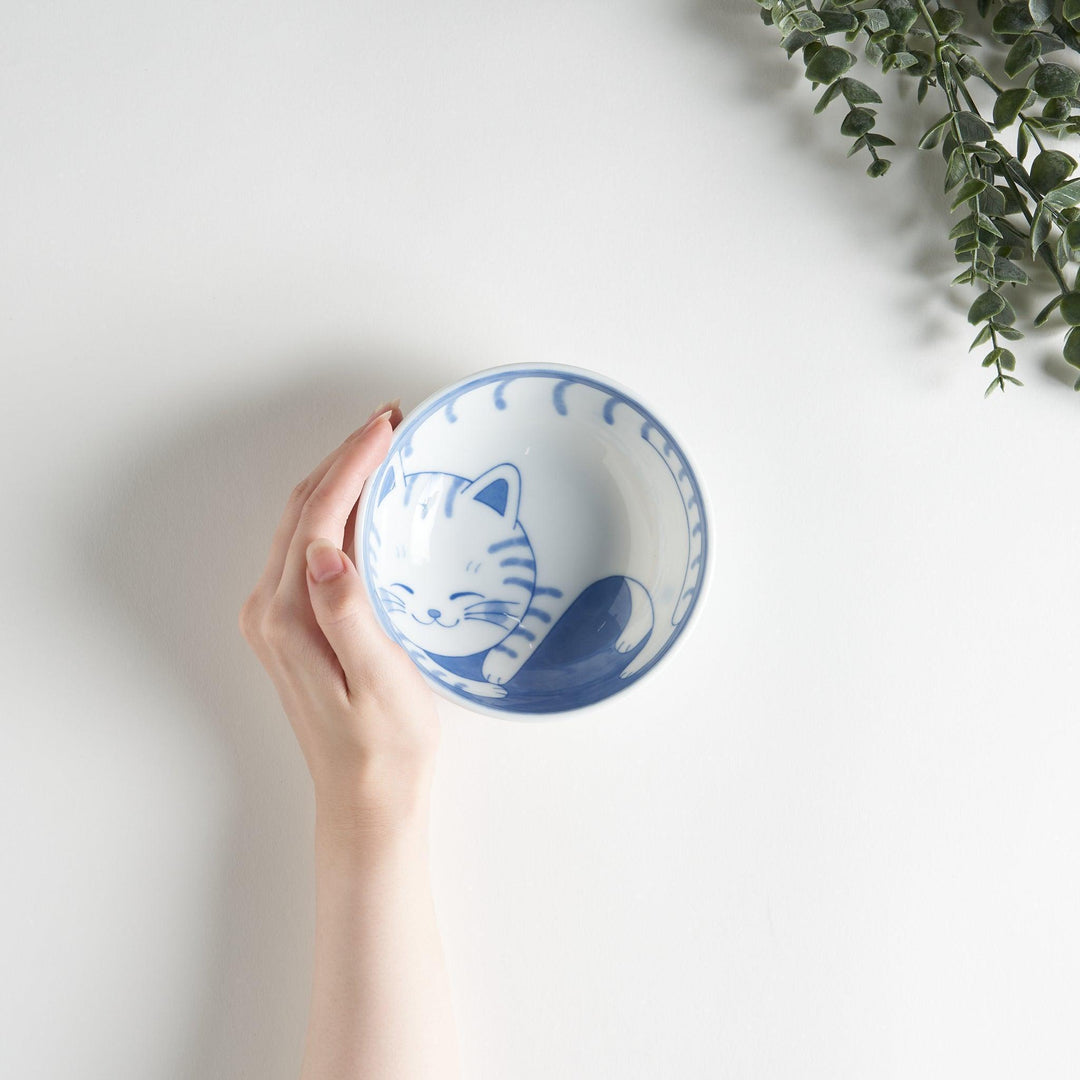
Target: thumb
(340, 605)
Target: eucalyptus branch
(982, 177)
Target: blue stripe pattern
(502, 545)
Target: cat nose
(434, 612)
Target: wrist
(348, 830)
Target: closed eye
(399, 585)
(459, 595)
(491, 605)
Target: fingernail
(387, 406)
(324, 561)
(369, 425)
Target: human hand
(362, 714)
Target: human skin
(369, 731)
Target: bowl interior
(535, 539)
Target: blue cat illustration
(464, 577)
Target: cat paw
(629, 641)
(486, 689)
(499, 669)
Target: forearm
(380, 1006)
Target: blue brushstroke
(516, 541)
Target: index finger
(270, 578)
(327, 509)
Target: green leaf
(835, 22)
(1072, 234)
(878, 168)
(874, 139)
(1015, 382)
(857, 122)
(795, 41)
(973, 128)
(1012, 19)
(1007, 270)
(981, 337)
(808, 20)
(956, 170)
(902, 14)
(1046, 312)
(1022, 141)
(964, 278)
(947, 19)
(1071, 351)
(932, 136)
(1010, 333)
(830, 92)
(986, 306)
(1063, 196)
(1070, 308)
(992, 203)
(1011, 201)
(1057, 108)
(875, 19)
(1040, 10)
(1022, 55)
(1040, 229)
(969, 190)
(903, 59)
(1008, 105)
(923, 62)
(1050, 168)
(964, 227)
(924, 85)
(829, 63)
(1070, 11)
(1055, 80)
(858, 93)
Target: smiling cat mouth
(444, 625)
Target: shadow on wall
(176, 547)
(909, 200)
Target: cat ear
(499, 488)
(393, 478)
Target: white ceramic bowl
(536, 540)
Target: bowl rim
(364, 511)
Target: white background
(834, 837)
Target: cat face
(454, 571)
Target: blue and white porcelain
(536, 539)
